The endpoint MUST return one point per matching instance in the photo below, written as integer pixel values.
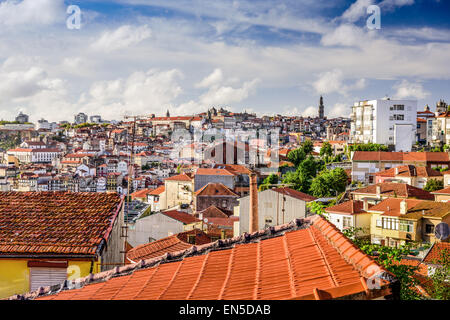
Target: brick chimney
(253, 216)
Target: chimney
(378, 189)
(365, 205)
(396, 170)
(403, 207)
(253, 217)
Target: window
(407, 226)
(379, 223)
(390, 223)
(429, 228)
(399, 117)
(45, 273)
(191, 238)
(347, 222)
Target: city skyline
(145, 57)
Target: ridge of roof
(364, 265)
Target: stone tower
(321, 108)
(441, 106)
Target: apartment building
(385, 121)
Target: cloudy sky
(146, 56)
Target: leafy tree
(297, 156)
(329, 183)
(433, 185)
(302, 178)
(368, 147)
(307, 146)
(326, 150)
(268, 181)
(440, 287)
(317, 208)
(389, 258)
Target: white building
(40, 155)
(385, 121)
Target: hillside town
(167, 199)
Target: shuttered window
(46, 273)
(43, 277)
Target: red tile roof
(213, 172)
(181, 216)
(445, 191)
(400, 156)
(295, 194)
(158, 191)
(215, 189)
(409, 171)
(179, 177)
(348, 207)
(434, 254)
(214, 212)
(391, 206)
(305, 259)
(160, 247)
(55, 222)
(141, 193)
(401, 190)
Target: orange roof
(158, 191)
(348, 207)
(400, 156)
(294, 193)
(213, 172)
(215, 189)
(434, 254)
(401, 190)
(55, 222)
(409, 171)
(141, 193)
(179, 177)
(445, 191)
(181, 216)
(307, 259)
(391, 206)
(160, 247)
(214, 212)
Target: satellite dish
(442, 231)
(205, 220)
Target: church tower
(321, 108)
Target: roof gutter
(47, 256)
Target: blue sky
(269, 57)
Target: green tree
(268, 181)
(326, 150)
(307, 146)
(329, 183)
(433, 185)
(297, 156)
(368, 147)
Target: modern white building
(385, 121)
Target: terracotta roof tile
(160, 247)
(179, 177)
(401, 190)
(295, 194)
(348, 207)
(434, 254)
(181, 216)
(305, 259)
(213, 172)
(55, 222)
(215, 189)
(400, 156)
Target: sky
(141, 57)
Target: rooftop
(305, 259)
(215, 189)
(55, 222)
(391, 189)
(349, 207)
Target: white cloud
(357, 10)
(123, 37)
(215, 78)
(406, 89)
(225, 94)
(392, 4)
(338, 110)
(346, 35)
(333, 81)
(310, 112)
(31, 12)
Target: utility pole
(130, 181)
